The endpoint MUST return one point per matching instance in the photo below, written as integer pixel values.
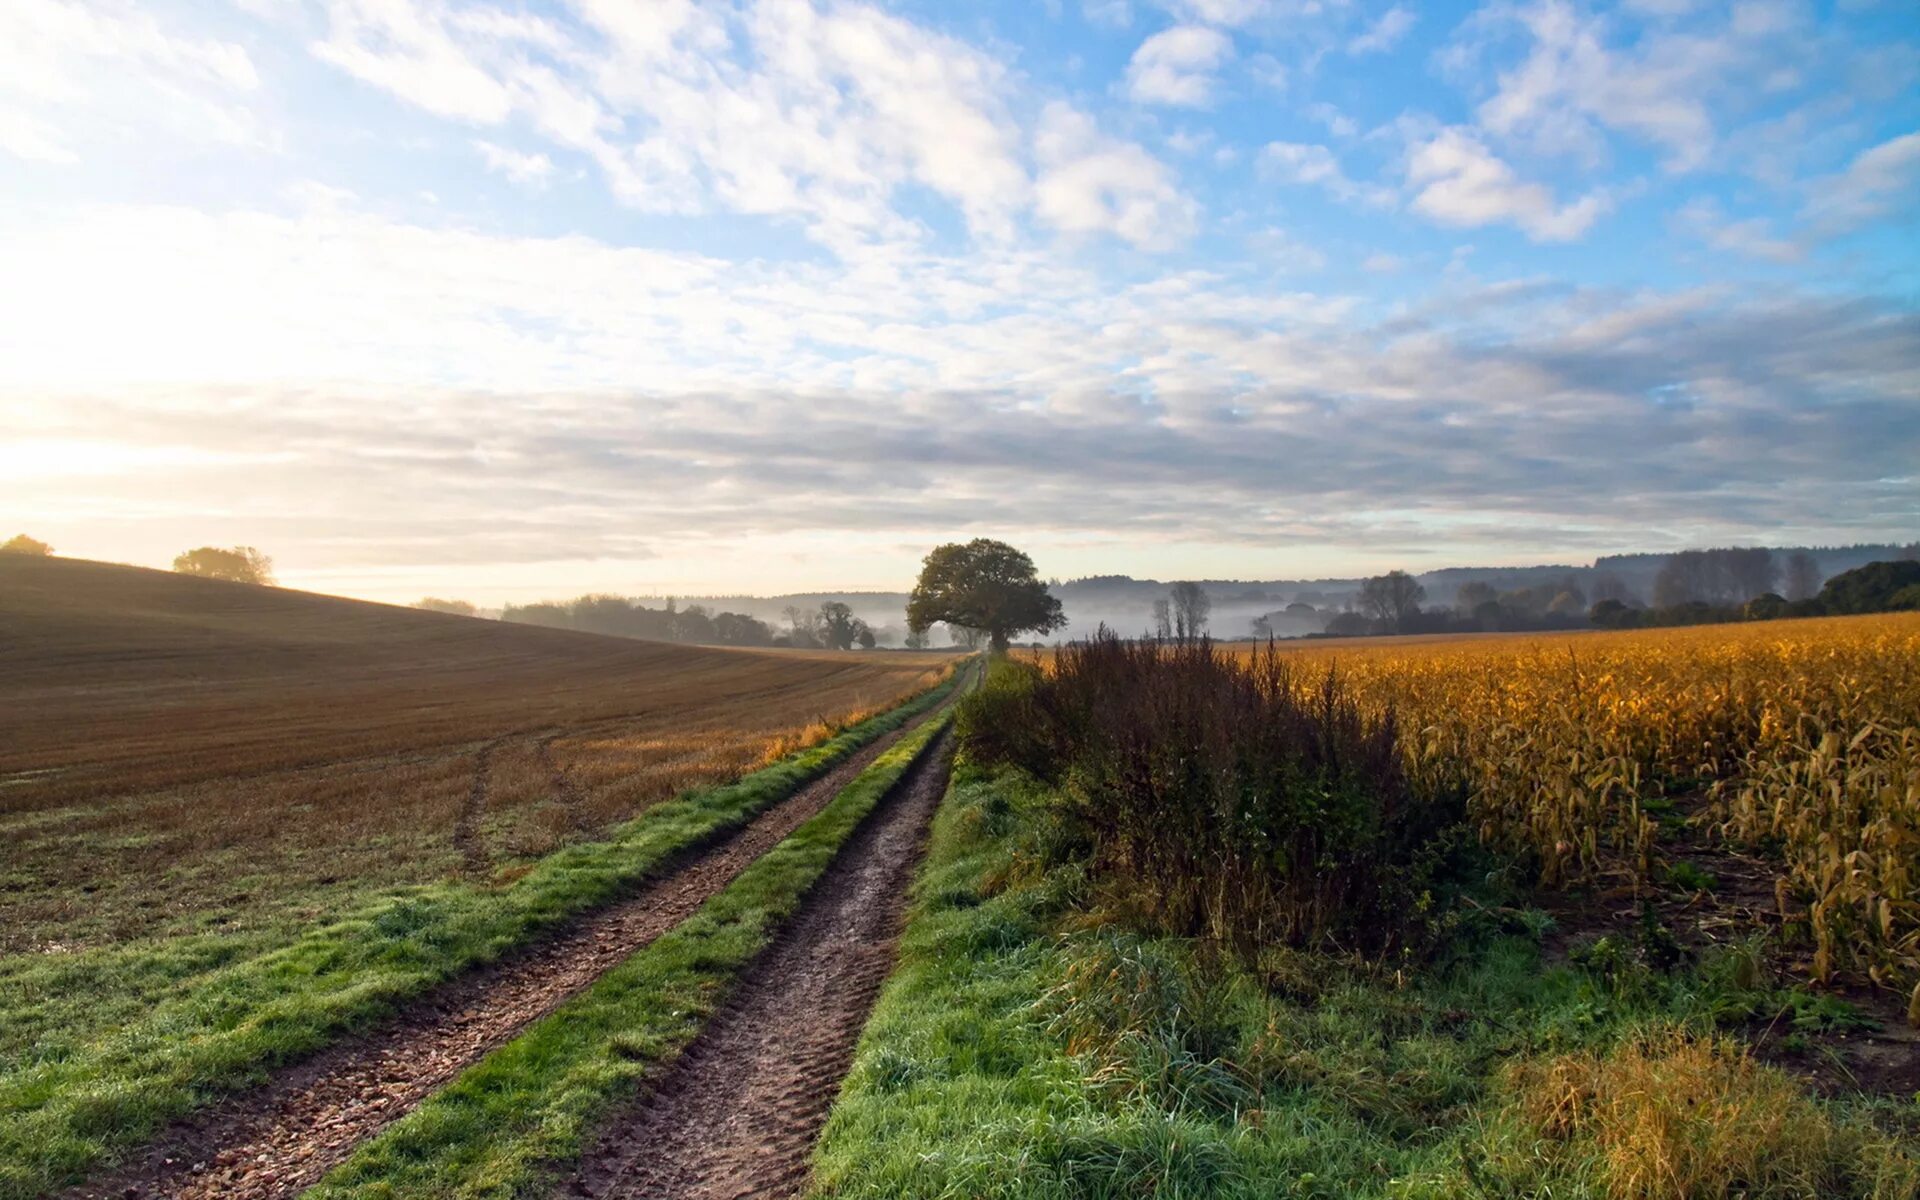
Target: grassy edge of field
(500, 1128)
(1024, 1049)
(225, 1029)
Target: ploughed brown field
(180, 754)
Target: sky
(517, 300)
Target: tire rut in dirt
(738, 1113)
(275, 1140)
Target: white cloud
(1338, 123)
(816, 115)
(1176, 66)
(1092, 183)
(1306, 163)
(1384, 34)
(1287, 252)
(529, 169)
(1460, 182)
(1753, 237)
(1231, 13)
(1880, 180)
(413, 50)
(110, 71)
(26, 136)
(1382, 263)
(1572, 82)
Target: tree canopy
(241, 564)
(840, 629)
(22, 544)
(1394, 597)
(984, 585)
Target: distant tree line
(1693, 587)
(831, 626)
(621, 617)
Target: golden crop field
(1805, 734)
(1800, 736)
(179, 755)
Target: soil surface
(738, 1113)
(280, 1138)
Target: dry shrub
(1672, 1116)
(1237, 800)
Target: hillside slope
(161, 736)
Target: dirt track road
(738, 1113)
(278, 1139)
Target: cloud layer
(1214, 286)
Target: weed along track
(278, 1139)
(737, 1114)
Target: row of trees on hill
(831, 626)
(621, 617)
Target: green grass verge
(1023, 1049)
(498, 1128)
(207, 1024)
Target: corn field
(1800, 737)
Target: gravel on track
(278, 1139)
(738, 1113)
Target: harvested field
(179, 755)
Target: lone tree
(1394, 597)
(1803, 576)
(840, 629)
(1191, 608)
(242, 564)
(984, 585)
(22, 544)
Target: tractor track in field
(565, 790)
(281, 1137)
(737, 1114)
(467, 836)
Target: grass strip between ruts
(497, 1130)
(61, 1117)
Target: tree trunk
(997, 643)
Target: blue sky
(513, 299)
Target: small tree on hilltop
(242, 564)
(984, 585)
(22, 544)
